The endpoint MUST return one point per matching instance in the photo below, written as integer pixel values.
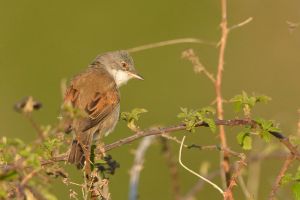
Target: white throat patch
(121, 77)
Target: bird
(95, 93)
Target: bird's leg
(86, 150)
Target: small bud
(27, 105)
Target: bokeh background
(43, 42)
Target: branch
(234, 177)
(225, 169)
(234, 122)
(289, 159)
(168, 43)
(190, 55)
(243, 23)
(160, 131)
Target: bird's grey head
(120, 65)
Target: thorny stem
(288, 161)
(159, 131)
(225, 169)
(233, 180)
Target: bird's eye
(124, 65)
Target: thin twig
(217, 147)
(190, 55)
(240, 164)
(196, 174)
(173, 138)
(289, 159)
(28, 177)
(243, 23)
(167, 43)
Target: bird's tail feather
(77, 155)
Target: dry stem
(159, 131)
(167, 43)
(225, 169)
(289, 159)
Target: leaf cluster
(246, 103)
(264, 128)
(132, 117)
(191, 118)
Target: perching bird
(95, 93)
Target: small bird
(95, 93)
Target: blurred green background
(42, 42)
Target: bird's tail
(79, 146)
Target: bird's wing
(95, 93)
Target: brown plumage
(95, 93)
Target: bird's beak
(136, 75)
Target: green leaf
(286, 178)
(208, 110)
(137, 111)
(184, 110)
(244, 139)
(131, 124)
(240, 138)
(3, 194)
(181, 115)
(211, 123)
(267, 124)
(9, 176)
(251, 101)
(247, 143)
(25, 152)
(265, 135)
(100, 162)
(238, 106)
(192, 117)
(263, 99)
(245, 102)
(297, 176)
(296, 191)
(266, 127)
(51, 144)
(274, 129)
(132, 117)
